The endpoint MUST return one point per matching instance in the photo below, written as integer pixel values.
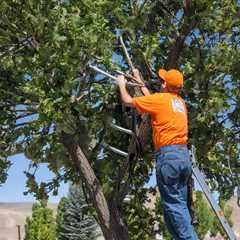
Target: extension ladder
(215, 206)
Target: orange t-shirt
(169, 117)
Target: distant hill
(13, 214)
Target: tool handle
(126, 75)
(112, 77)
(126, 53)
(102, 72)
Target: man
(170, 133)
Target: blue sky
(12, 190)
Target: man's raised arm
(126, 98)
(137, 76)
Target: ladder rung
(125, 130)
(128, 198)
(115, 150)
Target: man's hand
(121, 81)
(137, 76)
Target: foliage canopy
(47, 90)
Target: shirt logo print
(178, 105)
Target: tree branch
(177, 46)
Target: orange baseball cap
(173, 77)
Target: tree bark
(109, 218)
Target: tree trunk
(120, 229)
(109, 218)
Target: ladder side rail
(216, 208)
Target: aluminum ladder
(206, 190)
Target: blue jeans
(173, 169)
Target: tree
(5, 117)
(140, 219)
(41, 226)
(56, 111)
(74, 220)
(207, 220)
(4, 166)
(60, 215)
(205, 217)
(227, 210)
